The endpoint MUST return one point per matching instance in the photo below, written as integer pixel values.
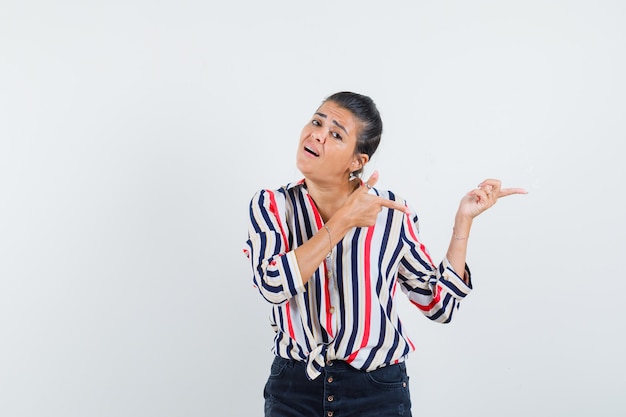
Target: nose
(318, 136)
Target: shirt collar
(300, 183)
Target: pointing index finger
(509, 191)
(395, 205)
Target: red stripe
(368, 294)
(274, 211)
(292, 334)
(329, 316)
(318, 217)
(411, 227)
(434, 301)
(410, 343)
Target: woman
(329, 252)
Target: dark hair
(364, 109)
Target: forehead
(339, 115)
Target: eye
(336, 135)
(315, 122)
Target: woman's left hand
(485, 196)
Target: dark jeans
(340, 391)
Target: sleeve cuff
(292, 282)
(455, 283)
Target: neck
(329, 198)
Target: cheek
(344, 155)
(306, 132)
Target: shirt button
(332, 310)
(330, 398)
(330, 379)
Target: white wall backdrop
(133, 134)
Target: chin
(303, 169)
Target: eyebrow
(334, 122)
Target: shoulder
(269, 196)
(389, 194)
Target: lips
(311, 150)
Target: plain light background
(134, 133)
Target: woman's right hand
(362, 208)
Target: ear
(360, 160)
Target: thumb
(373, 179)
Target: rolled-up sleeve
(275, 268)
(435, 291)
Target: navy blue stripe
(381, 339)
(261, 254)
(265, 213)
(290, 347)
(318, 301)
(452, 288)
(410, 268)
(381, 253)
(287, 271)
(393, 260)
(281, 321)
(295, 223)
(394, 347)
(305, 215)
(341, 290)
(355, 295)
(283, 192)
(308, 315)
(414, 248)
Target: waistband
(337, 365)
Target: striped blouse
(346, 311)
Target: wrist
(463, 220)
(462, 227)
(338, 227)
(342, 221)
(459, 236)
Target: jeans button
(331, 398)
(330, 380)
